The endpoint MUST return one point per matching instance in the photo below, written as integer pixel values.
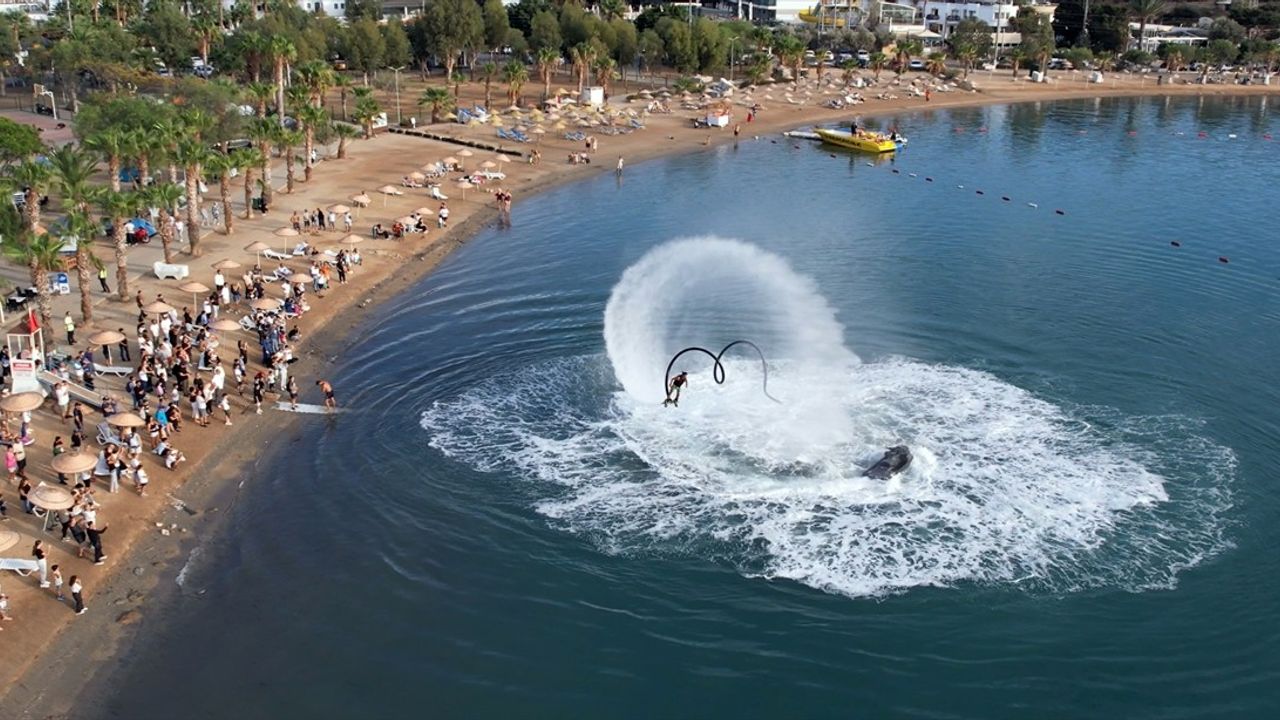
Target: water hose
(717, 369)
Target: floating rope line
(717, 369)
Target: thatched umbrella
(22, 402)
(52, 498)
(74, 462)
(265, 303)
(224, 325)
(105, 339)
(157, 308)
(227, 264)
(389, 190)
(361, 200)
(195, 288)
(339, 209)
(502, 158)
(352, 239)
(126, 419)
(464, 186)
(8, 539)
(488, 164)
(257, 247)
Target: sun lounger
(117, 370)
(276, 255)
(19, 565)
(107, 434)
(436, 194)
(301, 249)
(171, 271)
(246, 322)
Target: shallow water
(514, 527)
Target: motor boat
(863, 140)
(895, 460)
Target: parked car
(916, 64)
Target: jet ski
(895, 460)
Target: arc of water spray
(717, 369)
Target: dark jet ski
(895, 460)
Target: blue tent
(137, 223)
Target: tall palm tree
(32, 178)
(877, 61)
(73, 167)
(262, 132)
(248, 160)
(112, 144)
(516, 75)
(605, 67)
(118, 206)
(488, 71)
(40, 253)
(342, 83)
(165, 198)
(260, 95)
(546, 62)
(582, 55)
(344, 132)
(311, 117)
(317, 77)
(438, 98)
(286, 141)
(283, 52)
(192, 154)
(1146, 11)
(161, 139)
(220, 165)
(366, 109)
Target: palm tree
(247, 159)
(366, 109)
(162, 138)
(516, 75)
(221, 164)
(192, 153)
(604, 73)
(286, 140)
(488, 71)
(906, 50)
(937, 64)
(1146, 11)
(311, 117)
(546, 62)
(1017, 56)
(877, 61)
(582, 55)
(259, 94)
(342, 83)
(112, 144)
(344, 132)
(282, 53)
(850, 68)
(32, 178)
(317, 77)
(72, 170)
(40, 253)
(439, 99)
(262, 132)
(118, 206)
(165, 198)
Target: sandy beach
(52, 661)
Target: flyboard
(306, 408)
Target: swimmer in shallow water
(673, 390)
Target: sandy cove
(44, 668)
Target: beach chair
(19, 565)
(301, 249)
(436, 194)
(107, 435)
(170, 271)
(117, 370)
(276, 255)
(246, 322)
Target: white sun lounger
(276, 255)
(19, 565)
(119, 370)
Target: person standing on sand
(619, 170)
(259, 389)
(4, 608)
(56, 573)
(95, 541)
(42, 562)
(330, 401)
(77, 595)
(71, 328)
(292, 388)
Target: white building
(943, 17)
(332, 8)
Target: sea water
(511, 524)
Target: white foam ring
(1006, 487)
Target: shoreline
(69, 666)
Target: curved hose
(717, 369)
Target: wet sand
(52, 661)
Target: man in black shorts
(327, 389)
(673, 390)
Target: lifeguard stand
(26, 361)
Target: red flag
(33, 324)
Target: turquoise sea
(511, 526)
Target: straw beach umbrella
(8, 539)
(464, 186)
(157, 308)
(22, 402)
(195, 288)
(265, 303)
(224, 325)
(126, 419)
(464, 154)
(388, 190)
(76, 461)
(257, 247)
(105, 339)
(339, 209)
(286, 232)
(361, 200)
(53, 498)
(488, 164)
(352, 239)
(502, 158)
